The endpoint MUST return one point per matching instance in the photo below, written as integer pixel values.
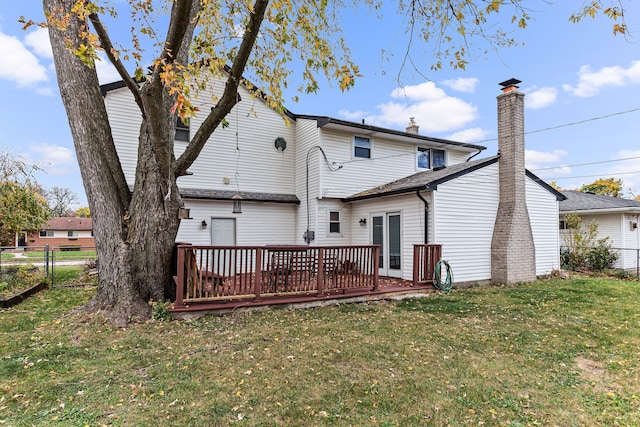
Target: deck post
(416, 264)
(180, 282)
(320, 276)
(257, 284)
(376, 266)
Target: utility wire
(569, 124)
(585, 164)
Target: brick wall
(512, 248)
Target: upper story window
(361, 147)
(182, 131)
(429, 158)
(334, 221)
(46, 233)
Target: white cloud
(354, 116)
(433, 109)
(18, 64)
(38, 41)
(468, 135)
(541, 97)
(106, 71)
(535, 160)
(463, 84)
(53, 159)
(590, 82)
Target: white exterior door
(223, 231)
(386, 232)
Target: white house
(323, 181)
(617, 219)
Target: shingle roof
(579, 201)
(69, 223)
(427, 180)
(247, 196)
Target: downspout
(479, 151)
(426, 217)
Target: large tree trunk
(134, 233)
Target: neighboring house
(63, 233)
(617, 219)
(323, 181)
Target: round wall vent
(280, 144)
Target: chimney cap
(510, 82)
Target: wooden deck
(389, 288)
(225, 279)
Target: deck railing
(215, 273)
(425, 258)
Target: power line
(585, 164)
(569, 124)
(591, 176)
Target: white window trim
(353, 147)
(340, 221)
(418, 147)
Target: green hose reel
(438, 283)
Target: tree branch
(107, 45)
(181, 15)
(229, 97)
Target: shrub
(160, 311)
(601, 257)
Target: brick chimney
(413, 127)
(513, 258)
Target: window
(361, 147)
(563, 225)
(182, 130)
(72, 233)
(429, 158)
(334, 222)
(46, 233)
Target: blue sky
(570, 73)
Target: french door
(386, 232)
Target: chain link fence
(627, 259)
(61, 266)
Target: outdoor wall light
(203, 224)
(363, 221)
(237, 204)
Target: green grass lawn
(556, 352)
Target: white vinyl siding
(464, 215)
(307, 138)
(543, 215)
(324, 237)
(411, 211)
(391, 160)
(253, 127)
(631, 242)
(259, 224)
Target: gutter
(426, 217)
